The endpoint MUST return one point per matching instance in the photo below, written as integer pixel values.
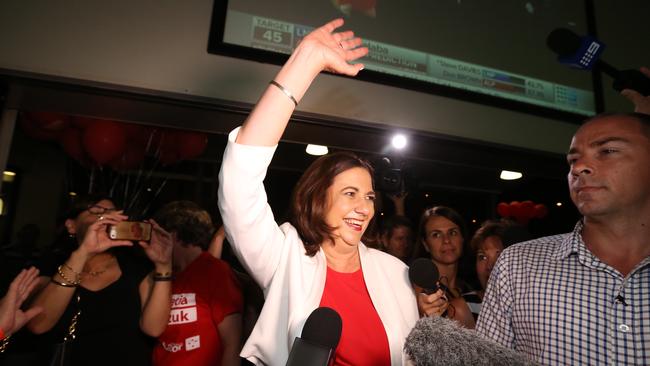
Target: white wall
(161, 45)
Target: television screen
(475, 49)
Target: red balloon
(541, 211)
(134, 132)
(131, 158)
(83, 122)
(515, 209)
(528, 209)
(34, 130)
(191, 144)
(49, 121)
(104, 140)
(503, 209)
(71, 142)
(168, 151)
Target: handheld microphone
(423, 273)
(440, 341)
(584, 53)
(318, 340)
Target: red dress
(363, 338)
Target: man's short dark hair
(642, 118)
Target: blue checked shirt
(556, 302)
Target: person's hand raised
(641, 103)
(12, 317)
(331, 51)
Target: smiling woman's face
(351, 206)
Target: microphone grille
(424, 273)
(563, 41)
(323, 327)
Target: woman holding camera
(103, 290)
(318, 258)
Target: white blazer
(293, 282)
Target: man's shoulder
(538, 249)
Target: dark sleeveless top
(108, 330)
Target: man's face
(609, 162)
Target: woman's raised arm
(322, 49)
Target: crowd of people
(576, 298)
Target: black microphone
(423, 273)
(440, 341)
(318, 340)
(584, 53)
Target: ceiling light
(510, 175)
(316, 150)
(8, 176)
(399, 141)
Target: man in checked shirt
(583, 298)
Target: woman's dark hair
(442, 211)
(509, 232)
(65, 243)
(309, 203)
(191, 223)
(80, 203)
(394, 222)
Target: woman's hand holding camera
(96, 239)
(159, 249)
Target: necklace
(97, 273)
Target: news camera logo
(590, 54)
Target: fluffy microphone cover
(440, 341)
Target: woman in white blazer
(318, 258)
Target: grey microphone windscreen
(439, 341)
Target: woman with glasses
(116, 299)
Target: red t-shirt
(363, 338)
(202, 296)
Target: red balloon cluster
(116, 144)
(522, 212)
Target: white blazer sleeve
(249, 223)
